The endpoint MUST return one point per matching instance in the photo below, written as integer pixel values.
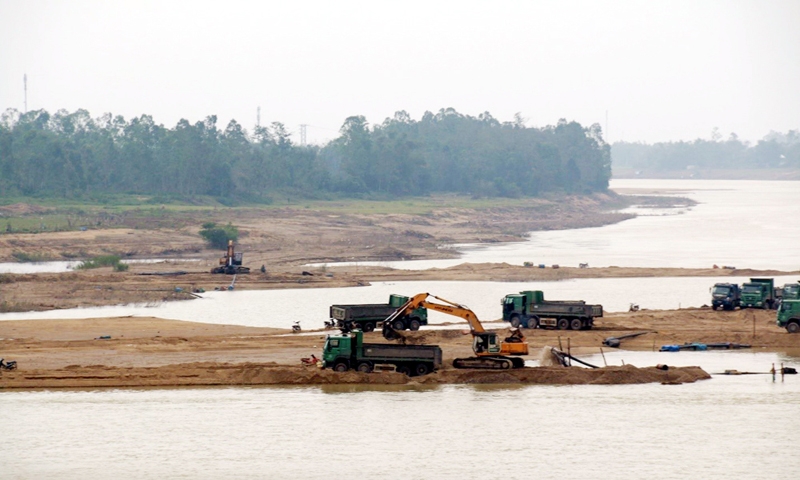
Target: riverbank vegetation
(777, 152)
(74, 156)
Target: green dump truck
(727, 296)
(342, 353)
(789, 315)
(759, 293)
(367, 316)
(791, 291)
(530, 309)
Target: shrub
(218, 236)
(103, 261)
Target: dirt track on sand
(155, 352)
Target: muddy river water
(730, 426)
(727, 427)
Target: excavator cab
(485, 344)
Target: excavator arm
(421, 300)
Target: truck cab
(336, 347)
(791, 291)
(758, 293)
(789, 315)
(726, 296)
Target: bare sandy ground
(145, 351)
(156, 352)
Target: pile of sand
(211, 374)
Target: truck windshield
(751, 289)
(791, 291)
(721, 290)
(331, 343)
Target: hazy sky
(663, 70)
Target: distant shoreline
(707, 174)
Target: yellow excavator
(490, 352)
(231, 263)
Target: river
(741, 426)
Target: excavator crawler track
(489, 363)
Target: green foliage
(73, 156)
(24, 257)
(103, 261)
(218, 236)
(776, 150)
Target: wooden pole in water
(559, 344)
(604, 357)
(781, 372)
(773, 373)
(569, 350)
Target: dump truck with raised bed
(367, 316)
(789, 315)
(345, 352)
(759, 293)
(726, 296)
(490, 351)
(531, 310)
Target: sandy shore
(145, 351)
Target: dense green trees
(776, 150)
(73, 155)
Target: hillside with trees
(73, 155)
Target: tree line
(74, 155)
(776, 150)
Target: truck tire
(793, 327)
(714, 306)
(398, 325)
(364, 367)
(403, 369)
(414, 325)
(562, 324)
(341, 367)
(575, 324)
(421, 369)
(515, 321)
(533, 322)
(368, 327)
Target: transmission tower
(258, 117)
(303, 133)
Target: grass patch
(23, 257)
(103, 261)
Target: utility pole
(303, 133)
(25, 87)
(258, 117)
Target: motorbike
(9, 365)
(313, 360)
(329, 324)
(296, 327)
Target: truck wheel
(403, 369)
(368, 327)
(793, 327)
(515, 321)
(364, 367)
(576, 324)
(340, 367)
(533, 322)
(414, 325)
(398, 325)
(421, 369)
(714, 306)
(562, 324)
